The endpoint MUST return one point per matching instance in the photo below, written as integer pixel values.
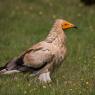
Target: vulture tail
(14, 65)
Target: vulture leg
(45, 77)
(44, 73)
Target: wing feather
(37, 56)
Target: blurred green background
(25, 22)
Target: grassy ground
(24, 22)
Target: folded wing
(37, 56)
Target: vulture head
(64, 24)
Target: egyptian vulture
(42, 57)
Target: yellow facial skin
(67, 25)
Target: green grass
(24, 22)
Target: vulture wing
(37, 56)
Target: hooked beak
(67, 25)
(75, 27)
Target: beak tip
(76, 27)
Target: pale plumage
(43, 56)
(52, 48)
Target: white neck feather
(56, 35)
